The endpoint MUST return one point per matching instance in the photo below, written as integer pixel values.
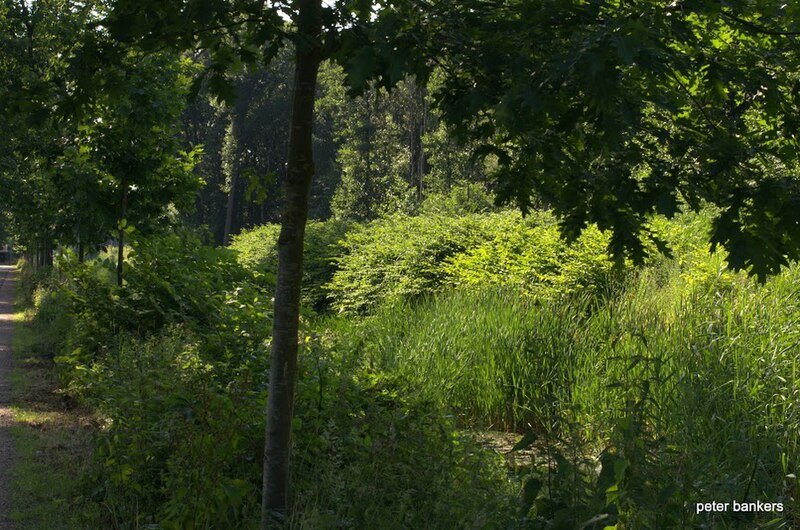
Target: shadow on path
(7, 281)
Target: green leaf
(529, 493)
(525, 442)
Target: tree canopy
(614, 111)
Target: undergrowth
(633, 393)
(175, 366)
(673, 391)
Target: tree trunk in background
(121, 249)
(48, 252)
(226, 235)
(419, 121)
(283, 364)
(229, 167)
(80, 250)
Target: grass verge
(53, 439)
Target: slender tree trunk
(423, 168)
(418, 126)
(231, 168)
(80, 250)
(226, 235)
(283, 364)
(123, 218)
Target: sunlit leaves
(613, 111)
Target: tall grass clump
(678, 387)
(497, 358)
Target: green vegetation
(257, 250)
(173, 366)
(404, 257)
(53, 439)
(631, 394)
(679, 384)
(402, 350)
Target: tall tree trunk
(283, 364)
(81, 250)
(226, 235)
(229, 167)
(122, 225)
(418, 128)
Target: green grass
(53, 446)
(687, 377)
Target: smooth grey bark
(283, 364)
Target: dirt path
(7, 275)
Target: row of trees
(608, 111)
(84, 166)
(376, 153)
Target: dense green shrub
(460, 200)
(169, 280)
(51, 315)
(400, 258)
(354, 268)
(175, 364)
(531, 256)
(181, 445)
(257, 249)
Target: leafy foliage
(174, 365)
(398, 257)
(83, 168)
(402, 257)
(611, 112)
(257, 250)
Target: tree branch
(694, 101)
(758, 28)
